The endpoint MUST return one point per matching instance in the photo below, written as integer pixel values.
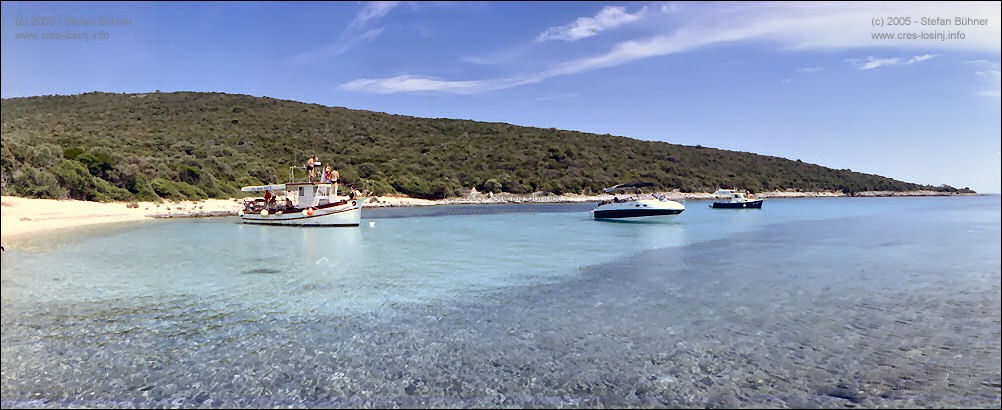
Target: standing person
(326, 178)
(334, 177)
(309, 167)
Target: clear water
(874, 302)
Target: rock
(846, 393)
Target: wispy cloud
(357, 32)
(556, 97)
(584, 27)
(796, 27)
(373, 11)
(808, 70)
(991, 78)
(407, 83)
(920, 58)
(873, 62)
(994, 77)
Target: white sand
(23, 215)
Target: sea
(806, 303)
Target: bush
(165, 188)
(142, 189)
(34, 183)
(45, 155)
(72, 152)
(106, 192)
(75, 178)
(99, 161)
(491, 185)
(368, 170)
(189, 191)
(376, 186)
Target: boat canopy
(628, 185)
(259, 188)
(723, 192)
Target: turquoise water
(807, 302)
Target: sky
(808, 81)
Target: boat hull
(639, 213)
(348, 213)
(737, 205)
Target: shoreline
(23, 216)
(476, 199)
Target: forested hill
(101, 146)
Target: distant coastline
(24, 216)
(398, 201)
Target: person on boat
(335, 176)
(354, 194)
(309, 167)
(267, 196)
(326, 178)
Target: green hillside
(101, 146)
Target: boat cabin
(729, 194)
(291, 197)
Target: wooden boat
(302, 204)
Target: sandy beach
(22, 216)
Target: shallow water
(873, 302)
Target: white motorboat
(729, 199)
(302, 204)
(635, 207)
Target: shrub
(491, 185)
(165, 188)
(75, 178)
(99, 161)
(106, 192)
(45, 155)
(376, 186)
(34, 183)
(189, 191)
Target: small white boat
(635, 207)
(729, 199)
(303, 204)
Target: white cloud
(990, 76)
(356, 33)
(808, 70)
(993, 78)
(791, 27)
(407, 83)
(583, 27)
(920, 58)
(873, 62)
(373, 11)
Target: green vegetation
(101, 146)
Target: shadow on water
(261, 271)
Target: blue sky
(802, 81)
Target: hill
(187, 145)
